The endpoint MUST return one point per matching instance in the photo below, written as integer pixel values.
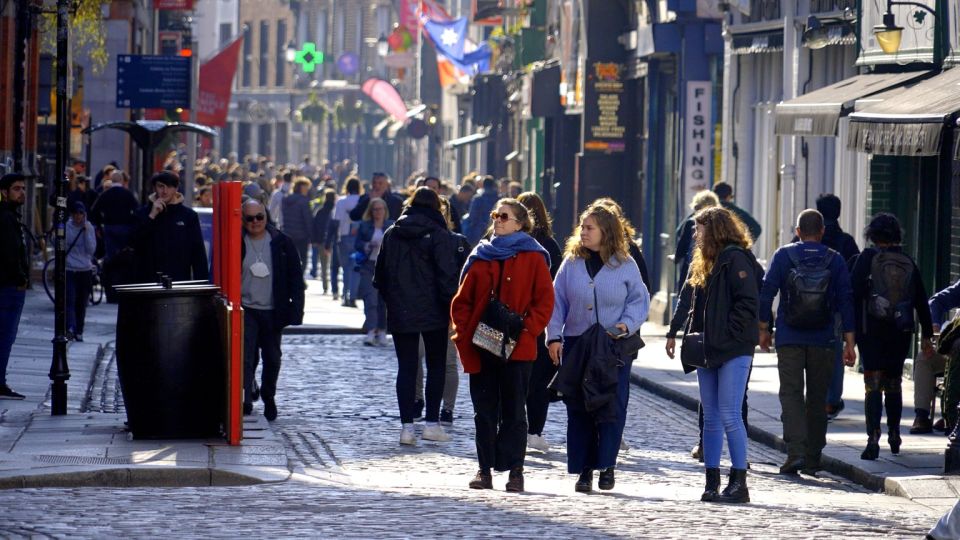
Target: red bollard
(227, 242)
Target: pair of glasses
(502, 216)
(257, 217)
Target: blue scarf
(500, 248)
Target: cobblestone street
(338, 416)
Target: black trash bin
(170, 359)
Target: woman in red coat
(514, 262)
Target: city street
(338, 419)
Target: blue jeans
(374, 308)
(351, 280)
(11, 306)
(721, 394)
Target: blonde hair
(704, 199)
(719, 228)
(613, 241)
(368, 213)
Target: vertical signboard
(697, 139)
(604, 119)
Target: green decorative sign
(309, 57)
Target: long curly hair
(613, 243)
(719, 228)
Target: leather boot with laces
(515, 482)
(736, 490)
(711, 492)
(483, 480)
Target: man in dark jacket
(480, 207)
(272, 295)
(14, 270)
(379, 187)
(297, 218)
(168, 238)
(724, 192)
(806, 336)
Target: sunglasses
(257, 217)
(502, 216)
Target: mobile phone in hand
(616, 333)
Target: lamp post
(889, 34)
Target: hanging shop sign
(697, 139)
(604, 115)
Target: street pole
(59, 372)
(190, 173)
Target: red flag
(216, 82)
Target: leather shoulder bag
(499, 327)
(692, 352)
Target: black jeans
(261, 337)
(538, 397)
(499, 395)
(407, 345)
(78, 296)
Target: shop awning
(909, 123)
(817, 113)
(758, 43)
(469, 139)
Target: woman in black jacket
(417, 274)
(538, 396)
(723, 275)
(884, 344)
(320, 245)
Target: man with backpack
(814, 286)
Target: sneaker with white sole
(408, 436)
(435, 432)
(381, 340)
(537, 442)
(623, 445)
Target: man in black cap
(14, 270)
(168, 239)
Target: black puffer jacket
(726, 312)
(418, 271)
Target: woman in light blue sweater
(81, 246)
(598, 281)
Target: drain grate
(83, 460)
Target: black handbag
(627, 347)
(499, 327)
(692, 351)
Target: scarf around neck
(500, 248)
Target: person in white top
(275, 206)
(345, 246)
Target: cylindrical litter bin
(170, 359)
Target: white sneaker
(370, 338)
(623, 445)
(537, 442)
(435, 432)
(408, 436)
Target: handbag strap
(596, 304)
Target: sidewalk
(323, 315)
(90, 445)
(917, 473)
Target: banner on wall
(697, 139)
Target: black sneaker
(269, 409)
(7, 393)
(247, 408)
(446, 417)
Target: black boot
(606, 481)
(711, 492)
(894, 440)
(736, 490)
(515, 482)
(585, 482)
(872, 408)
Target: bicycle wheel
(48, 278)
(96, 290)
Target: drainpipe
(788, 165)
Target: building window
(281, 146)
(264, 66)
(339, 28)
(247, 54)
(226, 33)
(264, 141)
(281, 59)
(226, 139)
(243, 140)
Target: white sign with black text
(697, 139)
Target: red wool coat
(527, 289)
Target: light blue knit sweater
(621, 297)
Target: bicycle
(96, 290)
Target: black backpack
(807, 301)
(890, 296)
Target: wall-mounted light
(816, 35)
(889, 34)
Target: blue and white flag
(449, 39)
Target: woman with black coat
(320, 243)
(538, 396)
(417, 274)
(884, 344)
(723, 276)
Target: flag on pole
(216, 84)
(458, 58)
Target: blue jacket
(943, 302)
(479, 216)
(365, 233)
(841, 294)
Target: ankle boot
(872, 451)
(585, 482)
(515, 481)
(607, 479)
(711, 492)
(736, 490)
(894, 440)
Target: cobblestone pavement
(338, 416)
